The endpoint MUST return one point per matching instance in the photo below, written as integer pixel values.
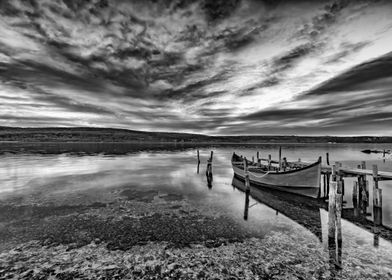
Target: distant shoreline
(111, 135)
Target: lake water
(55, 179)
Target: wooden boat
(302, 180)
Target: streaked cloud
(218, 67)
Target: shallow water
(170, 172)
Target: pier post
(198, 161)
(246, 210)
(325, 185)
(332, 207)
(327, 158)
(247, 189)
(339, 202)
(377, 198)
(285, 164)
(258, 156)
(355, 199)
(334, 220)
(209, 171)
(328, 179)
(269, 162)
(280, 158)
(246, 172)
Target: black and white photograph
(196, 139)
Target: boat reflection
(313, 215)
(303, 210)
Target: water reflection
(302, 210)
(171, 170)
(311, 214)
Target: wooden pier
(354, 172)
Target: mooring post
(198, 161)
(377, 198)
(257, 156)
(355, 198)
(328, 179)
(209, 165)
(269, 162)
(284, 164)
(246, 173)
(327, 158)
(246, 210)
(332, 208)
(339, 202)
(280, 158)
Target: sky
(218, 67)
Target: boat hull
(304, 181)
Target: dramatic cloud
(208, 66)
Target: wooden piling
(246, 172)
(332, 206)
(339, 202)
(285, 164)
(377, 198)
(247, 189)
(280, 158)
(355, 199)
(258, 156)
(246, 210)
(209, 167)
(328, 179)
(327, 158)
(198, 161)
(269, 162)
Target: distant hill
(89, 134)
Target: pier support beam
(198, 161)
(246, 172)
(377, 198)
(332, 206)
(269, 162)
(355, 199)
(247, 190)
(334, 220)
(280, 158)
(209, 171)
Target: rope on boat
(259, 176)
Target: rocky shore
(145, 234)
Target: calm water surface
(37, 178)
